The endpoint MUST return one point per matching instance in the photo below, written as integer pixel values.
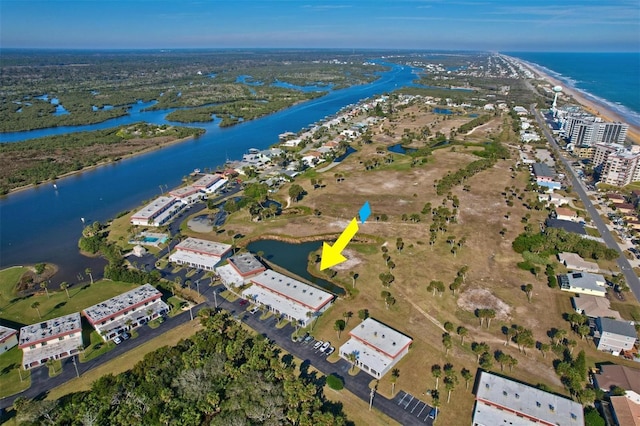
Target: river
(43, 224)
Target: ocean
(609, 78)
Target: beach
(590, 105)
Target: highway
(578, 186)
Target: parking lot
(421, 410)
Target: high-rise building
(586, 130)
(616, 165)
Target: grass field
(19, 309)
(10, 382)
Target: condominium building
(583, 131)
(376, 347)
(158, 212)
(200, 254)
(53, 339)
(501, 401)
(126, 311)
(240, 269)
(210, 183)
(620, 169)
(291, 298)
(8, 338)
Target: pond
(294, 258)
(399, 149)
(442, 111)
(345, 155)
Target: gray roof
(541, 169)
(50, 329)
(246, 263)
(621, 328)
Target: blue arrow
(365, 212)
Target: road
(578, 186)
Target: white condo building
(284, 295)
(53, 339)
(8, 338)
(158, 212)
(377, 347)
(200, 254)
(126, 311)
(501, 401)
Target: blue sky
(505, 25)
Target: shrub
(335, 382)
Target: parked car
(125, 336)
(330, 351)
(318, 344)
(325, 346)
(117, 340)
(308, 338)
(243, 302)
(254, 310)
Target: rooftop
(6, 332)
(121, 303)
(376, 361)
(594, 306)
(627, 411)
(206, 181)
(273, 300)
(582, 280)
(49, 329)
(541, 169)
(563, 211)
(611, 375)
(210, 248)
(574, 261)
(621, 328)
(246, 263)
(524, 399)
(184, 191)
(381, 337)
(305, 294)
(153, 207)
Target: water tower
(557, 90)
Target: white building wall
(9, 343)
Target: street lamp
(371, 394)
(73, 359)
(198, 285)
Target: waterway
(43, 224)
(294, 258)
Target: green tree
(395, 374)
(436, 372)
(296, 192)
(88, 272)
(462, 332)
(36, 306)
(65, 286)
(44, 286)
(339, 326)
(467, 376)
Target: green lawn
(96, 346)
(8, 280)
(10, 361)
(19, 309)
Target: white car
(330, 351)
(325, 346)
(254, 310)
(117, 340)
(318, 344)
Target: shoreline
(95, 166)
(592, 106)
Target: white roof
(229, 275)
(184, 191)
(279, 303)
(381, 337)
(49, 329)
(6, 332)
(151, 209)
(368, 356)
(522, 399)
(311, 297)
(206, 181)
(574, 261)
(204, 247)
(122, 302)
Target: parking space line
(406, 406)
(416, 406)
(401, 399)
(420, 413)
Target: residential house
(563, 213)
(583, 283)
(52, 339)
(614, 375)
(200, 254)
(614, 336)
(624, 411)
(376, 347)
(126, 311)
(8, 338)
(567, 225)
(502, 401)
(574, 262)
(594, 306)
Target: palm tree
(346, 315)
(36, 306)
(353, 276)
(467, 376)
(65, 287)
(462, 332)
(129, 323)
(395, 373)
(88, 272)
(449, 385)
(436, 371)
(352, 357)
(339, 326)
(529, 290)
(44, 285)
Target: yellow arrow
(332, 255)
